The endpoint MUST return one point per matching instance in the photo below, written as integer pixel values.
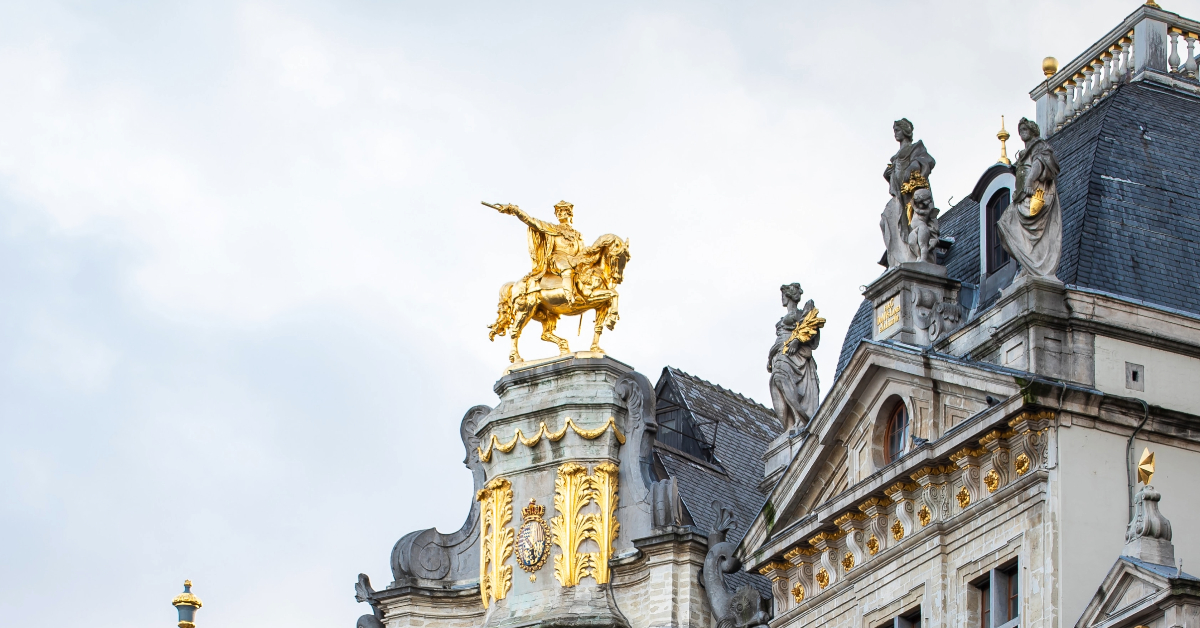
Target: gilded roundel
(533, 547)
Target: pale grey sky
(245, 275)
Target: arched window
(897, 433)
(997, 257)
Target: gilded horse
(540, 296)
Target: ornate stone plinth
(914, 303)
(561, 476)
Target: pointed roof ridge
(718, 387)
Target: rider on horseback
(557, 249)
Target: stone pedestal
(914, 303)
(1029, 329)
(560, 451)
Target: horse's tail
(504, 313)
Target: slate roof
(740, 430)
(1129, 185)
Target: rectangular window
(997, 257)
(911, 619)
(1000, 598)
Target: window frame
(995, 589)
(996, 257)
(888, 455)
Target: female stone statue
(912, 159)
(1031, 228)
(795, 390)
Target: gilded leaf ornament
(570, 528)
(798, 593)
(496, 540)
(807, 328)
(605, 526)
(574, 490)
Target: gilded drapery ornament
(568, 278)
(496, 540)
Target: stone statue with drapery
(1031, 228)
(795, 390)
(907, 172)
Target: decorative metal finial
(1152, 4)
(1003, 137)
(186, 604)
(1049, 66)
(1145, 467)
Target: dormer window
(997, 257)
(897, 433)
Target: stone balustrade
(1148, 40)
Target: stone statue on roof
(907, 172)
(795, 390)
(1031, 228)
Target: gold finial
(1152, 4)
(1145, 466)
(1003, 137)
(1049, 66)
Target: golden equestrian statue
(568, 278)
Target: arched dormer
(993, 192)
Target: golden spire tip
(1003, 137)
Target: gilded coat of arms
(532, 546)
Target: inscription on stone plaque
(887, 316)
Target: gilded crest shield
(532, 546)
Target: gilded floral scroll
(574, 490)
(496, 540)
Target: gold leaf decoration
(798, 593)
(848, 561)
(823, 578)
(569, 528)
(496, 540)
(603, 485)
(992, 480)
(1021, 464)
(897, 530)
(964, 497)
(924, 515)
(806, 329)
(873, 545)
(495, 444)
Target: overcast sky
(245, 276)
